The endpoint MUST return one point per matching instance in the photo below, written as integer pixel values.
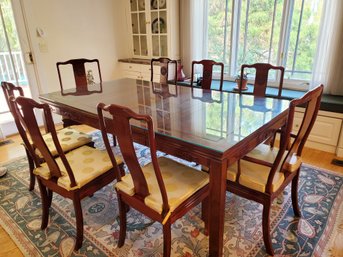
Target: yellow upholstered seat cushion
(180, 181)
(69, 139)
(255, 176)
(86, 163)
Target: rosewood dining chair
(261, 78)
(73, 175)
(207, 73)
(82, 80)
(164, 65)
(264, 173)
(163, 190)
(70, 136)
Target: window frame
(283, 44)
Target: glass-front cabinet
(154, 28)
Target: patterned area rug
(320, 202)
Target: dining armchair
(164, 190)
(264, 172)
(261, 78)
(70, 136)
(73, 175)
(207, 73)
(164, 64)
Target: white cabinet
(138, 71)
(339, 151)
(154, 28)
(325, 132)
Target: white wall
(76, 29)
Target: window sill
(331, 103)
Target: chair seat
(69, 139)
(255, 176)
(180, 181)
(86, 162)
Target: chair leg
(49, 194)
(31, 167)
(205, 213)
(122, 218)
(45, 204)
(167, 239)
(79, 221)
(295, 195)
(266, 228)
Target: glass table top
(211, 119)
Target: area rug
(320, 196)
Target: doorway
(15, 58)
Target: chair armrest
(257, 161)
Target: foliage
(258, 40)
(10, 28)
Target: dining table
(211, 128)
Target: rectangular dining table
(208, 127)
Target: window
(281, 32)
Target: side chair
(70, 136)
(80, 76)
(207, 73)
(164, 64)
(74, 175)
(264, 172)
(261, 78)
(163, 190)
(82, 84)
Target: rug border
(27, 248)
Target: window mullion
(298, 34)
(235, 21)
(225, 30)
(272, 33)
(246, 30)
(286, 27)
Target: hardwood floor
(14, 150)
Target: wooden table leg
(217, 206)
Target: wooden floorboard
(14, 150)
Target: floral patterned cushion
(180, 181)
(255, 176)
(69, 139)
(86, 163)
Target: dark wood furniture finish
(187, 137)
(48, 184)
(11, 90)
(164, 63)
(261, 78)
(286, 160)
(207, 73)
(122, 115)
(79, 72)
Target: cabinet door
(159, 28)
(154, 28)
(325, 130)
(139, 27)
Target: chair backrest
(164, 64)
(261, 78)
(9, 90)
(79, 72)
(26, 112)
(119, 124)
(311, 102)
(207, 72)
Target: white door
(16, 64)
